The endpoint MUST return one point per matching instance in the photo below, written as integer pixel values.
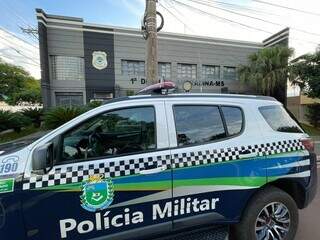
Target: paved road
(309, 227)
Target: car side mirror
(42, 158)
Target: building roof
(77, 24)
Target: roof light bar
(158, 88)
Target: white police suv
(148, 165)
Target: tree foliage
(10, 120)
(18, 85)
(305, 71)
(57, 116)
(267, 69)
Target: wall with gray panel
(44, 64)
(62, 42)
(181, 51)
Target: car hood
(14, 156)
(14, 146)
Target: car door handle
(247, 154)
(152, 171)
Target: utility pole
(152, 41)
(30, 31)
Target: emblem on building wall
(99, 60)
(97, 193)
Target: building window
(187, 71)
(198, 124)
(69, 99)
(210, 72)
(133, 68)
(102, 95)
(67, 68)
(229, 73)
(164, 70)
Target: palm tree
(267, 69)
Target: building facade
(81, 62)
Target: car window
(198, 124)
(234, 119)
(124, 131)
(279, 120)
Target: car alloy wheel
(273, 222)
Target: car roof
(192, 95)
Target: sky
(213, 18)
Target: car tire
(267, 213)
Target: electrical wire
(256, 18)
(19, 52)
(18, 38)
(222, 18)
(237, 6)
(13, 10)
(235, 22)
(13, 44)
(174, 15)
(288, 8)
(20, 61)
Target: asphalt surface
(309, 226)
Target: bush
(313, 114)
(16, 121)
(57, 116)
(94, 104)
(4, 120)
(35, 114)
(129, 92)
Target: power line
(256, 18)
(222, 18)
(289, 8)
(20, 61)
(30, 31)
(241, 24)
(19, 52)
(18, 38)
(14, 44)
(237, 6)
(170, 12)
(15, 12)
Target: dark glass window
(124, 131)
(234, 119)
(198, 124)
(229, 73)
(133, 68)
(210, 72)
(67, 68)
(279, 120)
(69, 99)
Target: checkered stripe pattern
(110, 169)
(275, 147)
(190, 159)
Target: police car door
(112, 179)
(211, 183)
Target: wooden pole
(152, 42)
